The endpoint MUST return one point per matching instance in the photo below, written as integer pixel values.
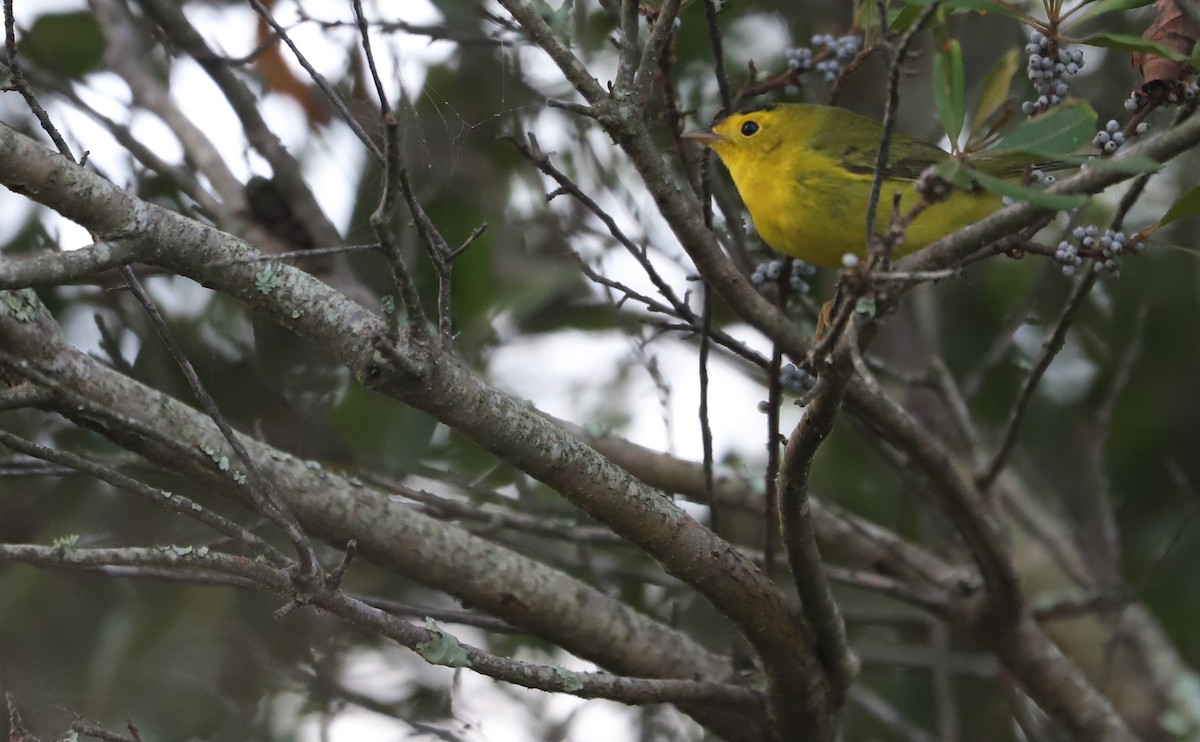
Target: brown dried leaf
(1172, 29)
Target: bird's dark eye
(750, 128)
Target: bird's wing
(855, 151)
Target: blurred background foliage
(191, 662)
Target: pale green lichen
(21, 305)
(265, 280)
(572, 681)
(443, 649)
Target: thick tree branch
(439, 384)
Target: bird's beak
(707, 138)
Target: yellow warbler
(804, 171)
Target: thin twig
(706, 436)
(885, 713)
(92, 729)
(534, 153)
(718, 52)
(1050, 349)
(418, 638)
(444, 615)
(880, 250)
(262, 490)
(660, 36)
(21, 85)
(475, 234)
(774, 400)
(438, 251)
(164, 498)
(381, 222)
(332, 94)
(1099, 521)
(394, 179)
(396, 175)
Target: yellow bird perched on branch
(805, 171)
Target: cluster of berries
(839, 51)
(1047, 70)
(1045, 179)
(1106, 249)
(1041, 178)
(772, 269)
(795, 379)
(1110, 138)
(1171, 94)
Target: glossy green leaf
(67, 44)
(1109, 6)
(1035, 196)
(1128, 43)
(1052, 135)
(1187, 205)
(905, 17)
(950, 89)
(995, 88)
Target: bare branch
(332, 95)
(381, 221)
(1050, 348)
(262, 490)
(163, 498)
(881, 249)
(18, 81)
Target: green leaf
(950, 171)
(443, 649)
(905, 17)
(66, 44)
(1035, 196)
(949, 89)
(1187, 205)
(1128, 43)
(995, 88)
(983, 6)
(1053, 135)
(1108, 6)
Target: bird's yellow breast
(820, 224)
(804, 214)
